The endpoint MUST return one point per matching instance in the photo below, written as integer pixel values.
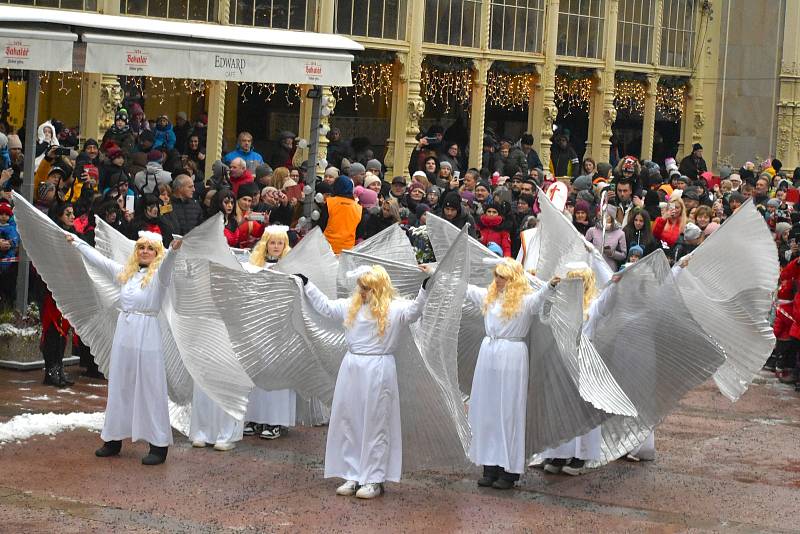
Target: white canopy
(137, 46)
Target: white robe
(278, 407)
(364, 439)
(498, 403)
(528, 255)
(210, 423)
(137, 405)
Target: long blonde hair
(279, 177)
(516, 288)
(381, 293)
(684, 217)
(589, 287)
(132, 266)
(259, 255)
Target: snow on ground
(24, 426)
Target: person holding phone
(609, 239)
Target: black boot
(157, 455)
(490, 474)
(505, 480)
(92, 371)
(64, 376)
(109, 448)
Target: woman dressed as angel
(137, 406)
(364, 444)
(500, 385)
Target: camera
(62, 151)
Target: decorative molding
(110, 100)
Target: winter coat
(682, 248)
(508, 166)
(692, 168)
(491, 230)
(669, 235)
(636, 238)
(123, 137)
(615, 239)
(147, 181)
(165, 137)
(250, 155)
(185, 215)
(9, 232)
(564, 162)
(375, 223)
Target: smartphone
(129, 201)
(432, 139)
(457, 174)
(255, 216)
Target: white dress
(210, 423)
(278, 407)
(528, 254)
(364, 440)
(497, 407)
(137, 405)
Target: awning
(29, 49)
(137, 46)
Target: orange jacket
(344, 216)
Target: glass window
(385, 19)
(517, 25)
(78, 5)
(580, 28)
(635, 30)
(453, 22)
(199, 10)
(677, 34)
(282, 14)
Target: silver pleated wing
(728, 287)
(314, 258)
(561, 243)
(391, 244)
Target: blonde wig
(132, 266)
(259, 255)
(589, 287)
(381, 293)
(516, 288)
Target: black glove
(425, 283)
(302, 277)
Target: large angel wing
(391, 243)
(86, 296)
(314, 258)
(561, 243)
(727, 287)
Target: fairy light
(630, 95)
(445, 88)
(573, 92)
(670, 101)
(509, 91)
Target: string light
(670, 101)
(509, 91)
(574, 93)
(370, 80)
(446, 87)
(630, 95)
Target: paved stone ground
(720, 467)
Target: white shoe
(198, 444)
(347, 489)
(224, 446)
(369, 491)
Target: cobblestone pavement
(720, 467)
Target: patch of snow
(66, 391)
(24, 426)
(38, 398)
(93, 397)
(24, 389)
(7, 329)
(22, 381)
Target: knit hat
(14, 141)
(494, 247)
(91, 142)
(5, 209)
(713, 227)
(586, 196)
(782, 227)
(421, 208)
(181, 115)
(154, 155)
(373, 165)
(635, 250)
(582, 205)
(774, 203)
(692, 232)
(121, 115)
(446, 164)
(147, 135)
(436, 190)
(724, 172)
(485, 185)
(367, 197)
(357, 168)
(452, 200)
(417, 185)
(582, 183)
(398, 180)
(115, 152)
(371, 179)
(248, 189)
(344, 185)
(697, 146)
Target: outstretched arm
(95, 258)
(167, 266)
(333, 309)
(534, 303)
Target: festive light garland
(630, 95)
(509, 91)
(574, 93)
(670, 101)
(447, 83)
(370, 80)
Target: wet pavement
(720, 467)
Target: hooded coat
(165, 137)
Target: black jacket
(692, 168)
(185, 215)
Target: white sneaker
(198, 444)
(224, 446)
(272, 432)
(347, 489)
(369, 491)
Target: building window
(677, 34)
(78, 5)
(517, 25)
(635, 30)
(384, 19)
(197, 10)
(580, 28)
(280, 14)
(453, 22)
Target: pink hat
(710, 228)
(367, 197)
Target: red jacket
(246, 177)
(489, 227)
(668, 235)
